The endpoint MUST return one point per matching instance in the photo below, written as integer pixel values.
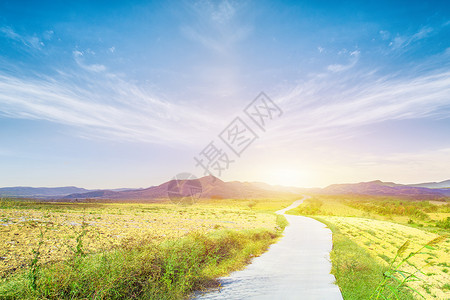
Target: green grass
(359, 262)
(357, 272)
(281, 222)
(414, 213)
(268, 205)
(143, 267)
(169, 270)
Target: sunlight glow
(286, 177)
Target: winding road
(297, 267)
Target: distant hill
(379, 188)
(212, 187)
(93, 194)
(40, 192)
(433, 185)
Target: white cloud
(78, 56)
(48, 34)
(422, 166)
(215, 25)
(8, 32)
(110, 109)
(224, 12)
(354, 57)
(385, 35)
(402, 41)
(329, 104)
(29, 41)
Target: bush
(445, 224)
(310, 207)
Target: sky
(117, 94)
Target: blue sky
(125, 94)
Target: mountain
(433, 185)
(40, 192)
(92, 194)
(379, 188)
(211, 187)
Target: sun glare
(286, 177)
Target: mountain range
(379, 188)
(212, 187)
(433, 185)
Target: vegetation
(445, 224)
(357, 272)
(396, 278)
(144, 269)
(367, 233)
(123, 250)
(63, 229)
(389, 207)
(431, 215)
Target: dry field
(380, 226)
(56, 227)
(382, 239)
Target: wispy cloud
(110, 108)
(28, 41)
(78, 56)
(354, 57)
(215, 25)
(422, 165)
(329, 103)
(402, 41)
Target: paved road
(297, 267)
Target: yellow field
(382, 240)
(57, 227)
(380, 225)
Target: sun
(286, 177)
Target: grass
(398, 276)
(357, 272)
(129, 250)
(368, 231)
(104, 226)
(168, 270)
(428, 215)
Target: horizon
(105, 96)
(301, 187)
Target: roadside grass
(144, 269)
(367, 233)
(382, 239)
(282, 222)
(357, 272)
(105, 226)
(129, 250)
(432, 216)
(268, 205)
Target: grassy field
(51, 249)
(166, 251)
(368, 231)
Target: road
(297, 267)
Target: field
(378, 227)
(56, 233)
(165, 251)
